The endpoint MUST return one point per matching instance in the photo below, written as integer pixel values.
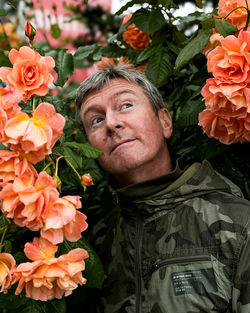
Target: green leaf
(2, 147)
(64, 66)
(83, 52)
(111, 51)
(3, 12)
(55, 31)
(189, 114)
(148, 21)
(32, 306)
(128, 5)
(94, 269)
(159, 67)
(86, 149)
(55, 306)
(146, 53)
(194, 46)
(199, 4)
(74, 158)
(225, 28)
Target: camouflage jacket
(176, 244)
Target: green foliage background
(175, 64)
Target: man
(178, 239)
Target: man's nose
(113, 122)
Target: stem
(247, 22)
(33, 103)
(57, 162)
(68, 162)
(2, 238)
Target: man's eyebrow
(116, 95)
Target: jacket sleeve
(241, 287)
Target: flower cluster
(29, 197)
(136, 38)
(227, 94)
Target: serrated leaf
(83, 52)
(64, 67)
(225, 28)
(159, 67)
(189, 114)
(199, 4)
(86, 149)
(148, 21)
(194, 46)
(73, 157)
(3, 12)
(55, 31)
(94, 269)
(146, 53)
(128, 5)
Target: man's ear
(166, 122)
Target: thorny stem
(68, 162)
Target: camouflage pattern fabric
(184, 248)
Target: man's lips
(121, 143)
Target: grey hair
(103, 76)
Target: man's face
(120, 121)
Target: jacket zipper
(139, 226)
(198, 258)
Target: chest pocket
(188, 284)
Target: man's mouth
(121, 143)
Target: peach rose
(214, 41)
(226, 129)
(11, 166)
(109, 62)
(136, 38)
(26, 201)
(237, 17)
(7, 267)
(48, 277)
(37, 135)
(9, 99)
(230, 62)
(14, 40)
(231, 100)
(63, 220)
(30, 73)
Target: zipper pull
(153, 268)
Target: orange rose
(214, 41)
(7, 267)
(37, 135)
(230, 62)
(237, 17)
(63, 220)
(226, 129)
(11, 166)
(109, 62)
(14, 39)
(30, 73)
(232, 100)
(136, 38)
(9, 99)
(26, 201)
(48, 277)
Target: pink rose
(7, 267)
(237, 17)
(48, 277)
(230, 62)
(30, 73)
(9, 99)
(37, 135)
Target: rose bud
(86, 180)
(30, 31)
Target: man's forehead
(113, 89)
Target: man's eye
(126, 106)
(97, 120)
